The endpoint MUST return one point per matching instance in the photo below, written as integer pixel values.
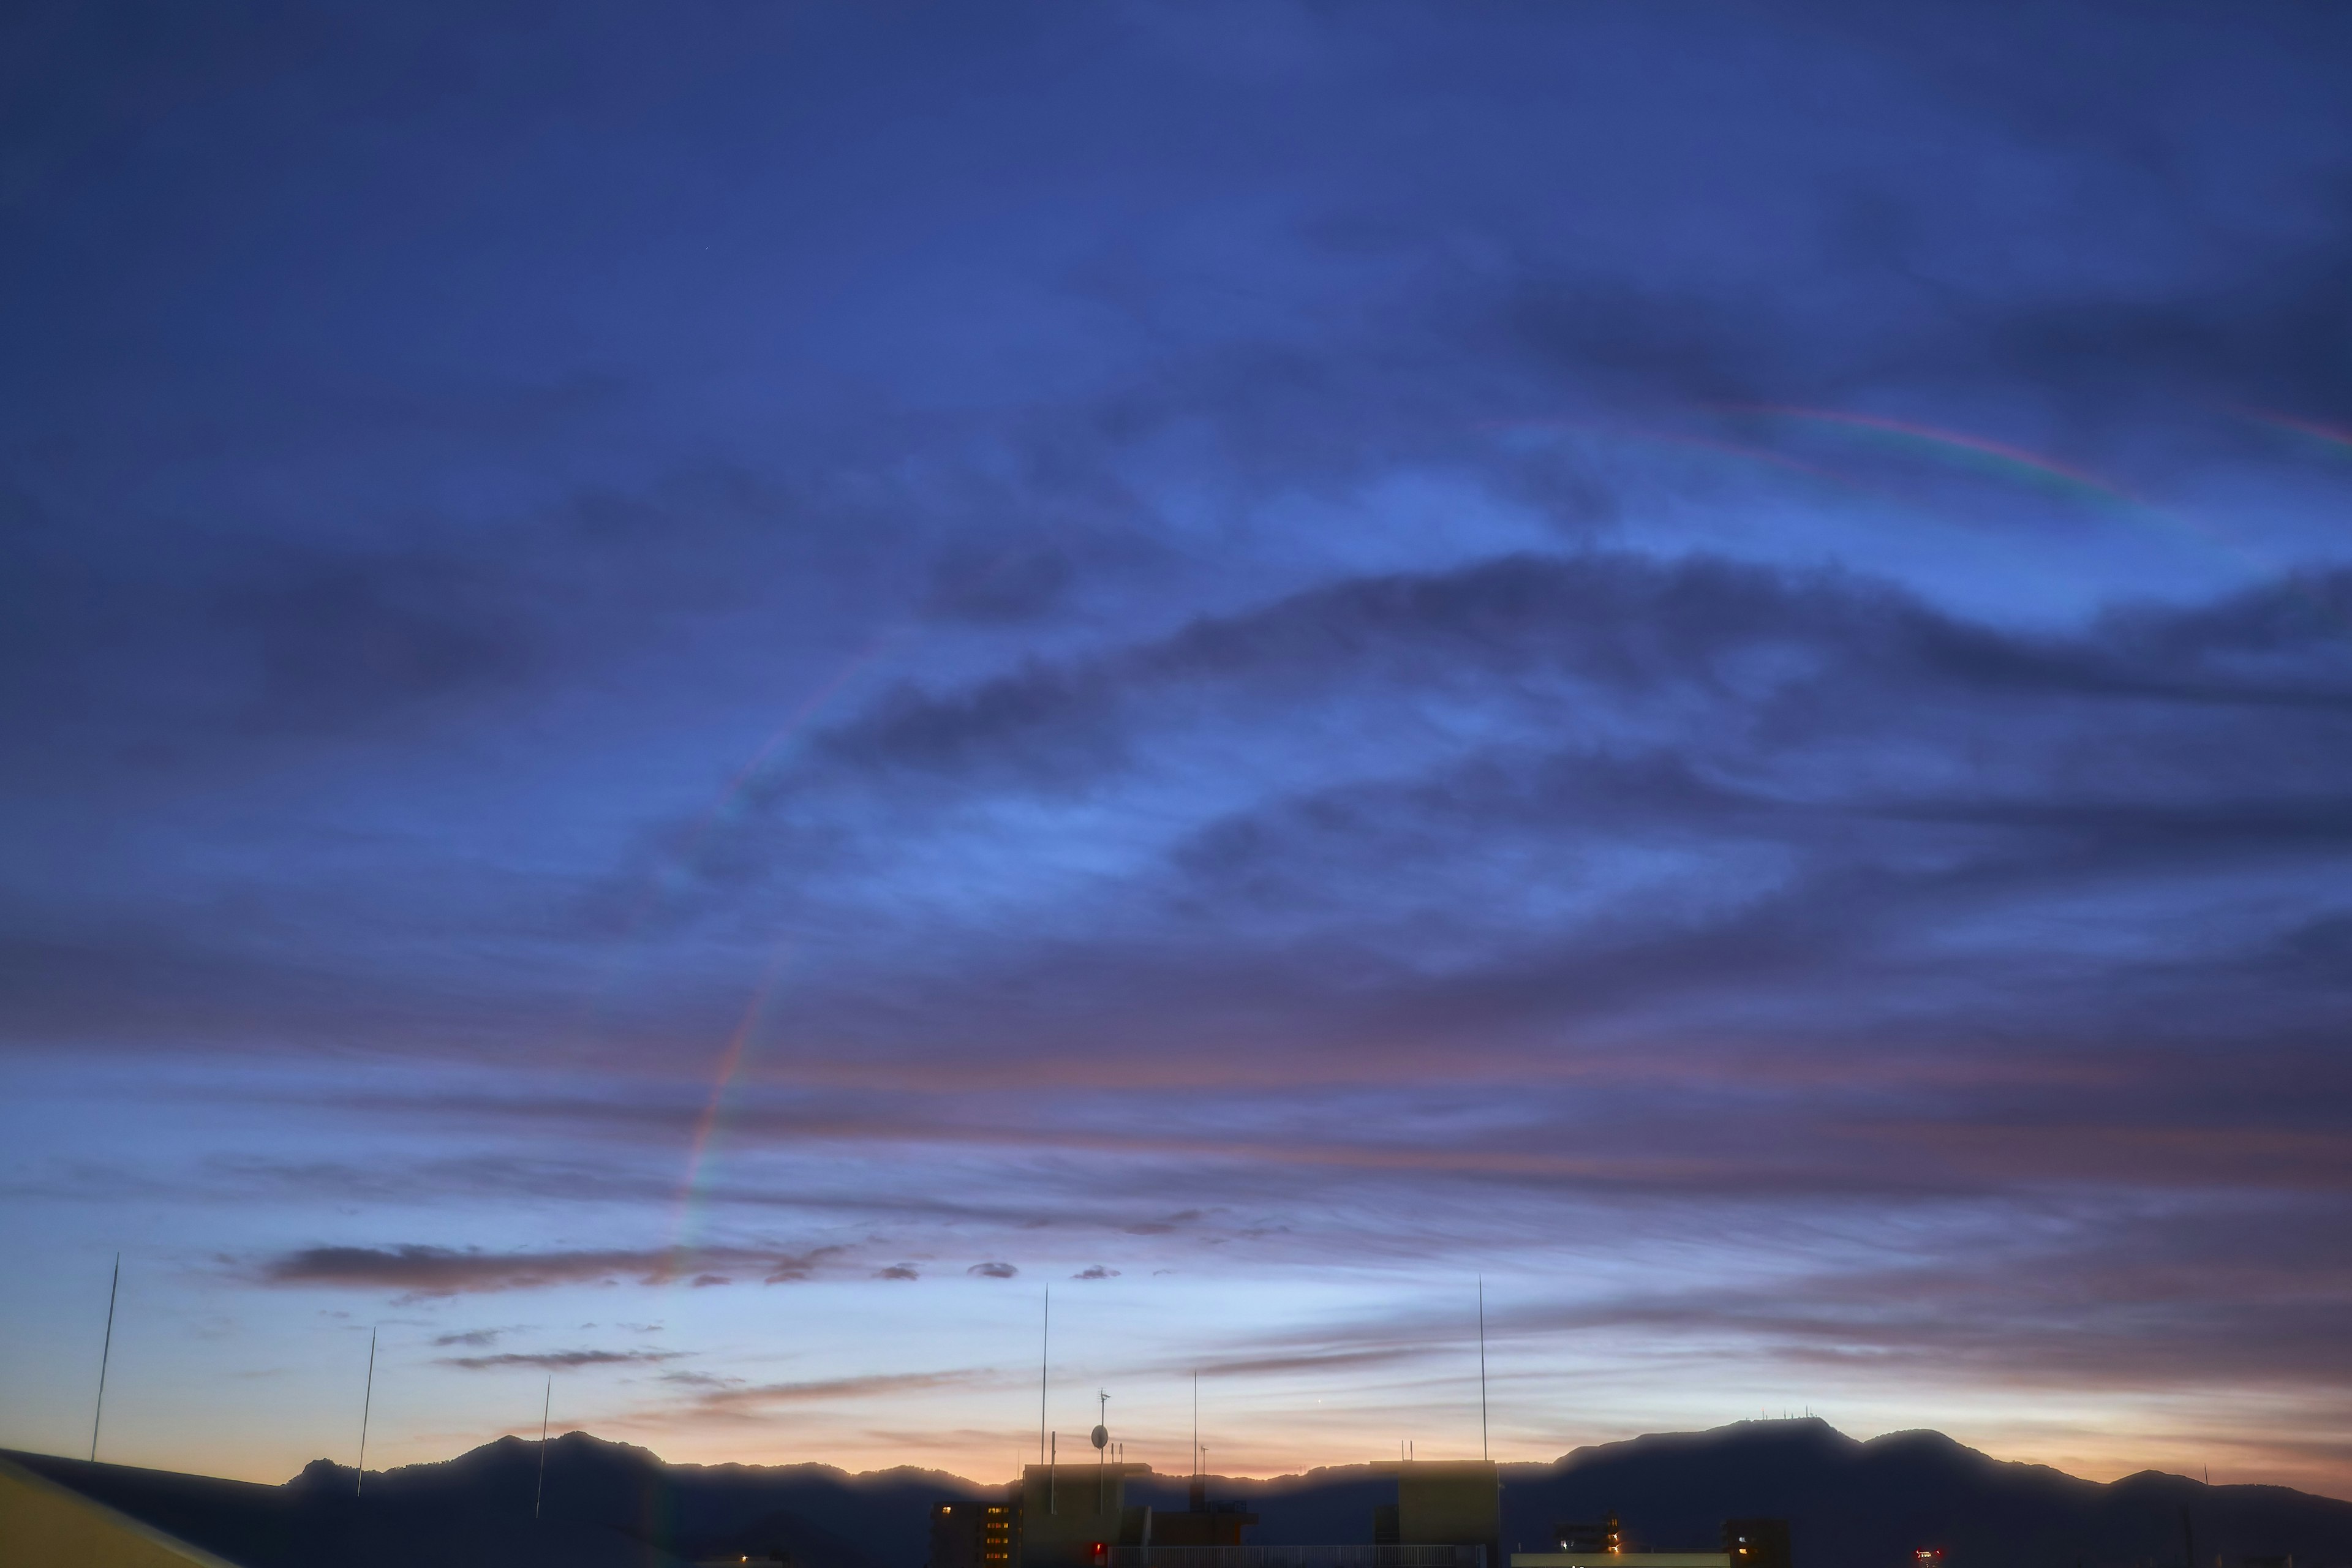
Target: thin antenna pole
(367, 1402)
(104, 1355)
(1045, 1350)
(1196, 1421)
(1482, 1368)
(545, 1404)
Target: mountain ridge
(1851, 1503)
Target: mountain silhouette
(1854, 1504)
(1851, 1504)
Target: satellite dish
(1102, 1436)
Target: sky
(700, 696)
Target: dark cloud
(698, 1380)
(752, 1402)
(332, 639)
(1014, 585)
(1629, 629)
(993, 1271)
(556, 1360)
(1096, 1271)
(426, 1271)
(1342, 1361)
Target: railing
(1300, 1557)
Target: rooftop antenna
(367, 1402)
(545, 1404)
(1044, 1348)
(1483, 1454)
(1102, 1448)
(1196, 1422)
(105, 1354)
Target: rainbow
(700, 1146)
(2327, 434)
(794, 722)
(2002, 460)
(1990, 457)
(1758, 456)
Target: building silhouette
(975, 1534)
(1756, 1543)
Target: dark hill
(825, 1517)
(1851, 1505)
(1866, 1505)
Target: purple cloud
(426, 1271)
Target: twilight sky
(695, 693)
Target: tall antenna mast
(545, 1404)
(1196, 1421)
(367, 1402)
(104, 1355)
(1102, 1447)
(1045, 1350)
(1482, 1368)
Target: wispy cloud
(557, 1361)
(753, 1401)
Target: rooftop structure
(1602, 1534)
(1073, 1516)
(1448, 1514)
(1747, 1543)
(1446, 1502)
(41, 1522)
